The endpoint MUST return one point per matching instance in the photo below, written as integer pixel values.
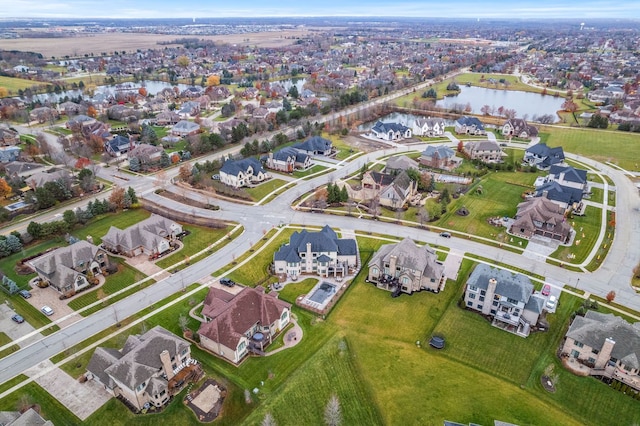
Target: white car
(47, 311)
(552, 302)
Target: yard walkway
(292, 338)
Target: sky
(526, 9)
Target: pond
(524, 103)
(153, 87)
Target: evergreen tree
(134, 164)
(13, 243)
(132, 195)
(344, 194)
(164, 160)
(35, 230)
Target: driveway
(147, 267)
(452, 264)
(82, 399)
(50, 297)
(16, 331)
(539, 248)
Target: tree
(183, 61)
(69, 216)
(460, 146)
(333, 412)
(485, 110)
(569, 106)
(268, 420)
(185, 173)
(165, 161)
(213, 80)
(132, 195)
(117, 197)
(5, 189)
(14, 244)
(293, 92)
(44, 198)
(35, 230)
(610, 296)
(134, 164)
(183, 322)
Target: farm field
(13, 84)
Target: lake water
(153, 87)
(524, 103)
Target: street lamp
(577, 282)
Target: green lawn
(4, 339)
(50, 408)
(13, 84)
(621, 148)
(501, 194)
(199, 239)
(315, 169)
(99, 227)
(587, 229)
(597, 195)
(291, 291)
(257, 193)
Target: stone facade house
(239, 173)
(287, 160)
(315, 145)
(148, 370)
(505, 297)
(393, 191)
(185, 128)
(440, 157)
(607, 344)
(406, 267)
(542, 217)
(238, 324)
(316, 253)
(391, 131)
(519, 128)
(399, 163)
(469, 126)
(8, 136)
(485, 151)
(152, 237)
(68, 269)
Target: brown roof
(233, 316)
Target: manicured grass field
(99, 227)
(50, 408)
(13, 84)
(291, 291)
(257, 193)
(621, 148)
(200, 238)
(501, 194)
(587, 225)
(315, 169)
(4, 339)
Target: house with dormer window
(245, 172)
(391, 131)
(507, 298)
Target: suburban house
(542, 217)
(400, 163)
(568, 176)
(38, 179)
(287, 160)
(485, 151)
(189, 109)
(43, 114)
(185, 128)
(149, 370)
(9, 153)
(607, 344)
(27, 418)
(391, 131)
(392, 191)
(440, 157)
(152, 237)
(567, 197)
(469, 126)
(505, 297)
(21, 168)
(8, 136)
(118, 145)
(519, 128)
(167, 118)
(239, 173)
(68, 269)
(406, 267)
(315, 145)
(237, 324)
(317, 253)
(146, 154)
(80, 121)
(543, 157)
(430, 127)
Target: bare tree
(268, 420)
(333, 412)
(183, 322)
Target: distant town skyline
(125, 9)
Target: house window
(481, 298)
(374, 271)
(591, 360)
(494, 303)
(473, 288)
(512, 301)
(493, 312)
(469, 303)
(405, 280)
(480, 307)
(595, 351)
(472, 296)
(578, 344)
(482, 292)
(575, 354)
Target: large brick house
(505, 297)
(68, 269)
(541, 216)
(485, 151)
(152, 236)
(607, 344)
(237, 324)
(406, 267)
(317, 253)
(440, 157)
(519, 128)
(149, 369)
(393, 191)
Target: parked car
(18, 318)
(552, 302)
(227, 282)
(445, 234)
(215, 177)
(277, 286)
(47, 310)
(24, 293)
(503, 144)
(546, 290)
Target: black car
(445, 234)
(227, 282)
(24, 293)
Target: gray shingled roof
(325, 240)
(595, 327)
(556, 192)
(382, 127)
(234, 167)
(148, 234)
(441, 151)
(513, 286)
(58, 266)
(570, 174)
(401, 162)
(314, 144)
(410, 256)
